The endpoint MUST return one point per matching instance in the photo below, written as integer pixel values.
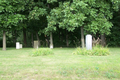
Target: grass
(19, 65)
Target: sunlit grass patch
(18, 65)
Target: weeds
(98, 51)
(42, 52)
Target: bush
(98, 51)
(42, 52)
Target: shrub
(42, 52)
(99, 51)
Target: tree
(37, 18)
(113, 39)
(50, 16)
(9, 15)
(91, 15)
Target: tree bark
(38, 39)
(14, 37)
(51, 40)
(25, 39)
(47, 41)
(67, 43)
(103, 41)
(4, 40)
(82, 37)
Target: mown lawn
(63, 65)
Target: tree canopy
(94, 15)
(60, 17)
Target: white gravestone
(20, 45)
(17, 45)
(36, 44)
(89, 42)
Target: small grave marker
(20, 45)
(36, 44)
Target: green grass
(63, 65)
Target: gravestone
(89, 42)
(36, 44)
(17, 45)
(20, 45)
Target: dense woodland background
(62, 23)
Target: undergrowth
(42, 52)
(98, 51)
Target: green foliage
(93, 15)
(11, 13)
(97, 51)
(51, 1)
(100, 51)
(37, 12)
(42, 52)
(67, 15)
(80, 51)
(40, 16)
(113, 39)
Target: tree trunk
(103, 42)
(25, 40)
(51, 40)
(82, 37)
(4, 40)
(32, 41)
(14, 37)
(67, 43)
(47, 41)
(38, 39)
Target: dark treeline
(59, 23)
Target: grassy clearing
(19, 65)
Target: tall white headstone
(89, 42)
(17, 45)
